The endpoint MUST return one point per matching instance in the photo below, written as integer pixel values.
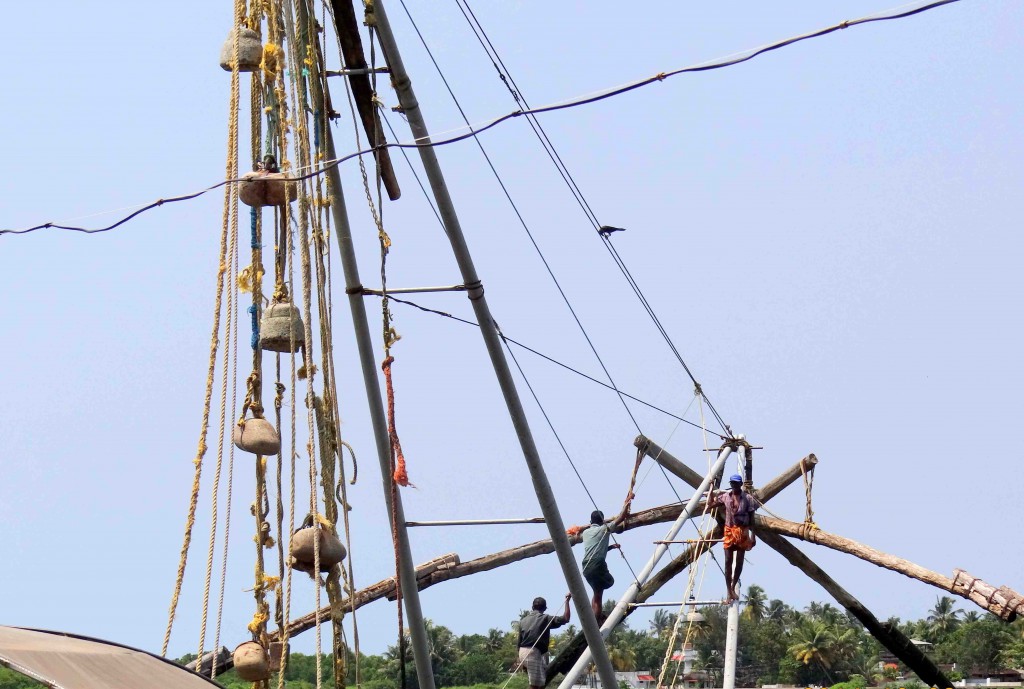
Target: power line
(585, 100)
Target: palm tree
(756, 602)
(813, 641)
(623, 657)
(776, 610)
(971, 616)
(662, 622)
(944, 618)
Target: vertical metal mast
(731, 637)
(475, 291)
(378, 419)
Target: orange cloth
(737, 538)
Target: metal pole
(731, 631)
(378, 419)
(492, 340)
(675, 604)
(479, 522)
(631, 593)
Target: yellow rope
(231, 461)
(227, 357)
(230, 191)
(302, 141)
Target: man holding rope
(535, 637)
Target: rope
(231, 459)
(222, 428)
(302, 141)
(808, 476)
(229, 199)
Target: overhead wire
(533, 241)
(570, 181)
(572, 103)
(522, 220)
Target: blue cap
(736, 477)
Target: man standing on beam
(739, 538)
(595, 552)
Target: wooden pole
(888, 635)
(1002, 602)
(693, 479)
(346, 28)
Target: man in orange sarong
(739, 538)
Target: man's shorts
(737, 538)
(536, 665)
(599, 577)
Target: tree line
(819, 645)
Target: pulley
(332, 551)
(250, 50)
(252, 662)
(281, 328)
(257, 436)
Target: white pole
(630, 595)
(731, 631)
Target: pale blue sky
(829, 233)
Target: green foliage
(906, 684)
(976, 646)
(9, 679)
(820, 645)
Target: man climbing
(739, 538)
(534, 638)
(595, 551)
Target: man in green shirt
(595, 550)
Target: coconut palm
(971, 616)
(756, 603)
(776, 610)
(623, 657)
(813, 641)
(944, 617)
(662, 622)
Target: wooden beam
(888, 635)
(1002, 602)
(665, 459)
(346, 27)
(693, 479)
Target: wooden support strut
(1003, 602)
(888, 635)
(347, 29)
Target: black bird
(608, 229)
(269, 164)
